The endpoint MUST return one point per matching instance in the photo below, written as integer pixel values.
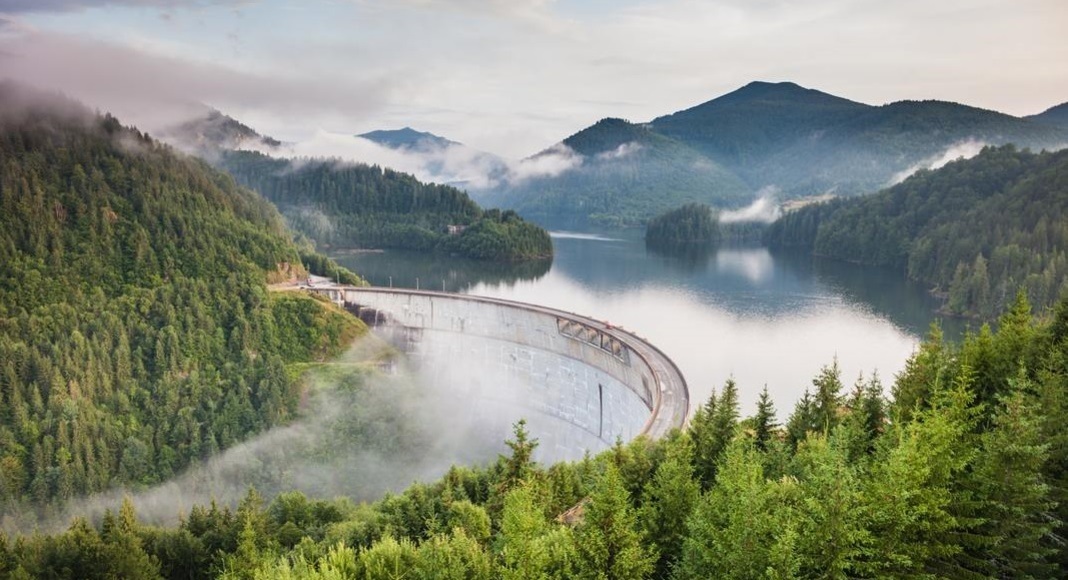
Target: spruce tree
(764, 423)
(609, 545)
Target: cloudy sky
(515, 76)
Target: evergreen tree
(1018, 514)
(923, 370)
(712, 429)
(388, 559)
(832, 535)
(912, 502)
(453, 556)
(608, 543)
(528, 546)
(731, 532)
(802, 420)
(764, 425)
(667, 502)
(828, 399)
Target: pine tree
(453, 556)
(388, 559)
(667, 502)
(827, 400)
(608, 542)
(1018, 515)
(732, 530)
(528, 546)
(913, 387)
(713, 431)
(764, 424)
(801, 421)
(917, 513)
(832, 533)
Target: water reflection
(753, 264)
(405, 269)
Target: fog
(361, 433)
(453, 163)
(764, 209)
(960, 150)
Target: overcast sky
(515, 76)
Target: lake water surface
(764, 319)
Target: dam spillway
(580, 383)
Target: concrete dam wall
(580, 383)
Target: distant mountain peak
(607, 135)
(216, 130)
(780, 92)
(407, 138)
(1055, 115)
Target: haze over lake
(741, 312)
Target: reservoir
(741, 312)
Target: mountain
(806, 142)
(442, 160)
(137, 333)
(779, 138)
(622, 173)
(408, 138)
(1057, 115)
(755, 120)
(977, 230)
(215, 131)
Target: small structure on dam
(580, 383)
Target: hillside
(354, 205)
(961, 474)
(1057, 115)
(976, 229)
(750, 123)
(779, 137)
(806, 142)
(628, 173)
(136, 331)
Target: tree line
(976, 230)
(340, 204)
(961, 472)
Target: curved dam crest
(580, 383)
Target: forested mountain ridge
(805, 142)
(963, 473)
(351, 204)
(1057, 115)
(754, 120)
(791, 140)
(977, 229)
(407, 138)
(136, 331)
(627, 173)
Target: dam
(581, 384)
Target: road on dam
(592, 381)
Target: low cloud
(765, 209)
(962, 150)
(454, 164)
(22, 6)
(355, 439)
(624, 150)
(154, 91)
(549, 163)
